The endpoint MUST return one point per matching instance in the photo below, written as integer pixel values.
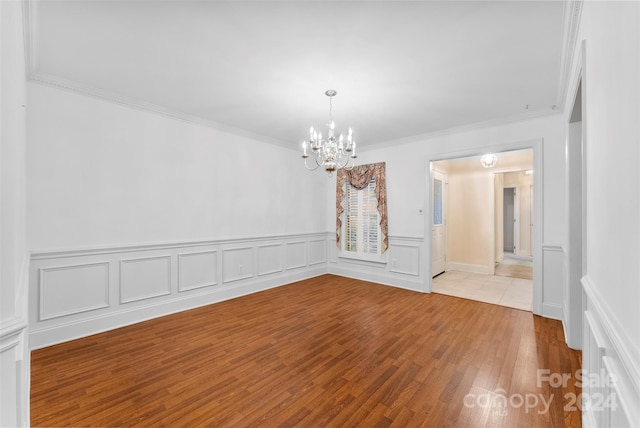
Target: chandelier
(333, 152)
(489, 160)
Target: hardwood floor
(329, 351)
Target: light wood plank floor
(328, 351)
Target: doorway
(483, 257)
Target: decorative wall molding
(405, 259)
(570, 27)
(407, 272)
(140, 282)
(88, 283)
(197, 270)
(10, 332)
(270, 259)
(421, 138)
(296, 256)
(145, 278)
(608, 347)
(237, 264)
(317, 251)
(131, 248)
(143, 106)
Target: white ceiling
(400, 68)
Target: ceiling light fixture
(331, 153)
(489, 160)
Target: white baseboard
(378, 278)
(553, 311)
(464, 267)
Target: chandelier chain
(330, 108)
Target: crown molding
(535, 114)
(571, 15)
(571, 19)
(29, 16)
(114, 98)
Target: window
(362, 225)
(361, 221)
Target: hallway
(512, 292)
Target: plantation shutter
(362, 219)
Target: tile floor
(500, 290)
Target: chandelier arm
(313, 168)
(344, 166)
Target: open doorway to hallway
(487, 223)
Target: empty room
(319, 213)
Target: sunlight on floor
(500, 290)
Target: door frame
(576, 208)
(535, 145)
(445, 183)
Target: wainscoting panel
(197, 270)
(237, 264)
(317, 251)
(405, 259)
(611, 385)
(79, 292)
(270, 259)
(401, 266)
(144, 278)
(295, 255)
(87, 283)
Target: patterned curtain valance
(359, 177)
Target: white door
(439, 230)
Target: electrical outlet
(240, 268)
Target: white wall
(470, 217)
(133, 215)
(406, 169)
(104, 174)
(611, 35)
(14, 255)
(406, 181)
